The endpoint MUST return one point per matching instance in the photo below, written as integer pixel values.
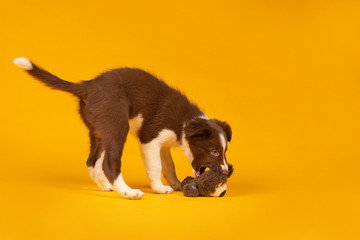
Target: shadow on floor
(241, 187)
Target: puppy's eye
(215, 153)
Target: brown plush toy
(210, 183)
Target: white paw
(104, 185)
(102, 182)
(162, 189)
(99, 178)
(106, 189)
(132, 194)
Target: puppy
(131, 100)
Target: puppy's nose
(226, 172)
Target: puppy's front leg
(168, 169)
(152, 160)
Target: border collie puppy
(131, 100)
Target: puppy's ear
(197, 129)
(226, 127)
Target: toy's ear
(197, 129)
(190, 190)
(227, 129)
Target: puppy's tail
(49, 79)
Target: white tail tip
(23, 62)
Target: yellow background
(284, 74)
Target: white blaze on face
(224, 166)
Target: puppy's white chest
(166, 138)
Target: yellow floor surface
(284, 74)
(65, 208)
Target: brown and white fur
(131, 100)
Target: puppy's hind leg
(94, 164)
(114, 133)
(100, 178)
(96, 156)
